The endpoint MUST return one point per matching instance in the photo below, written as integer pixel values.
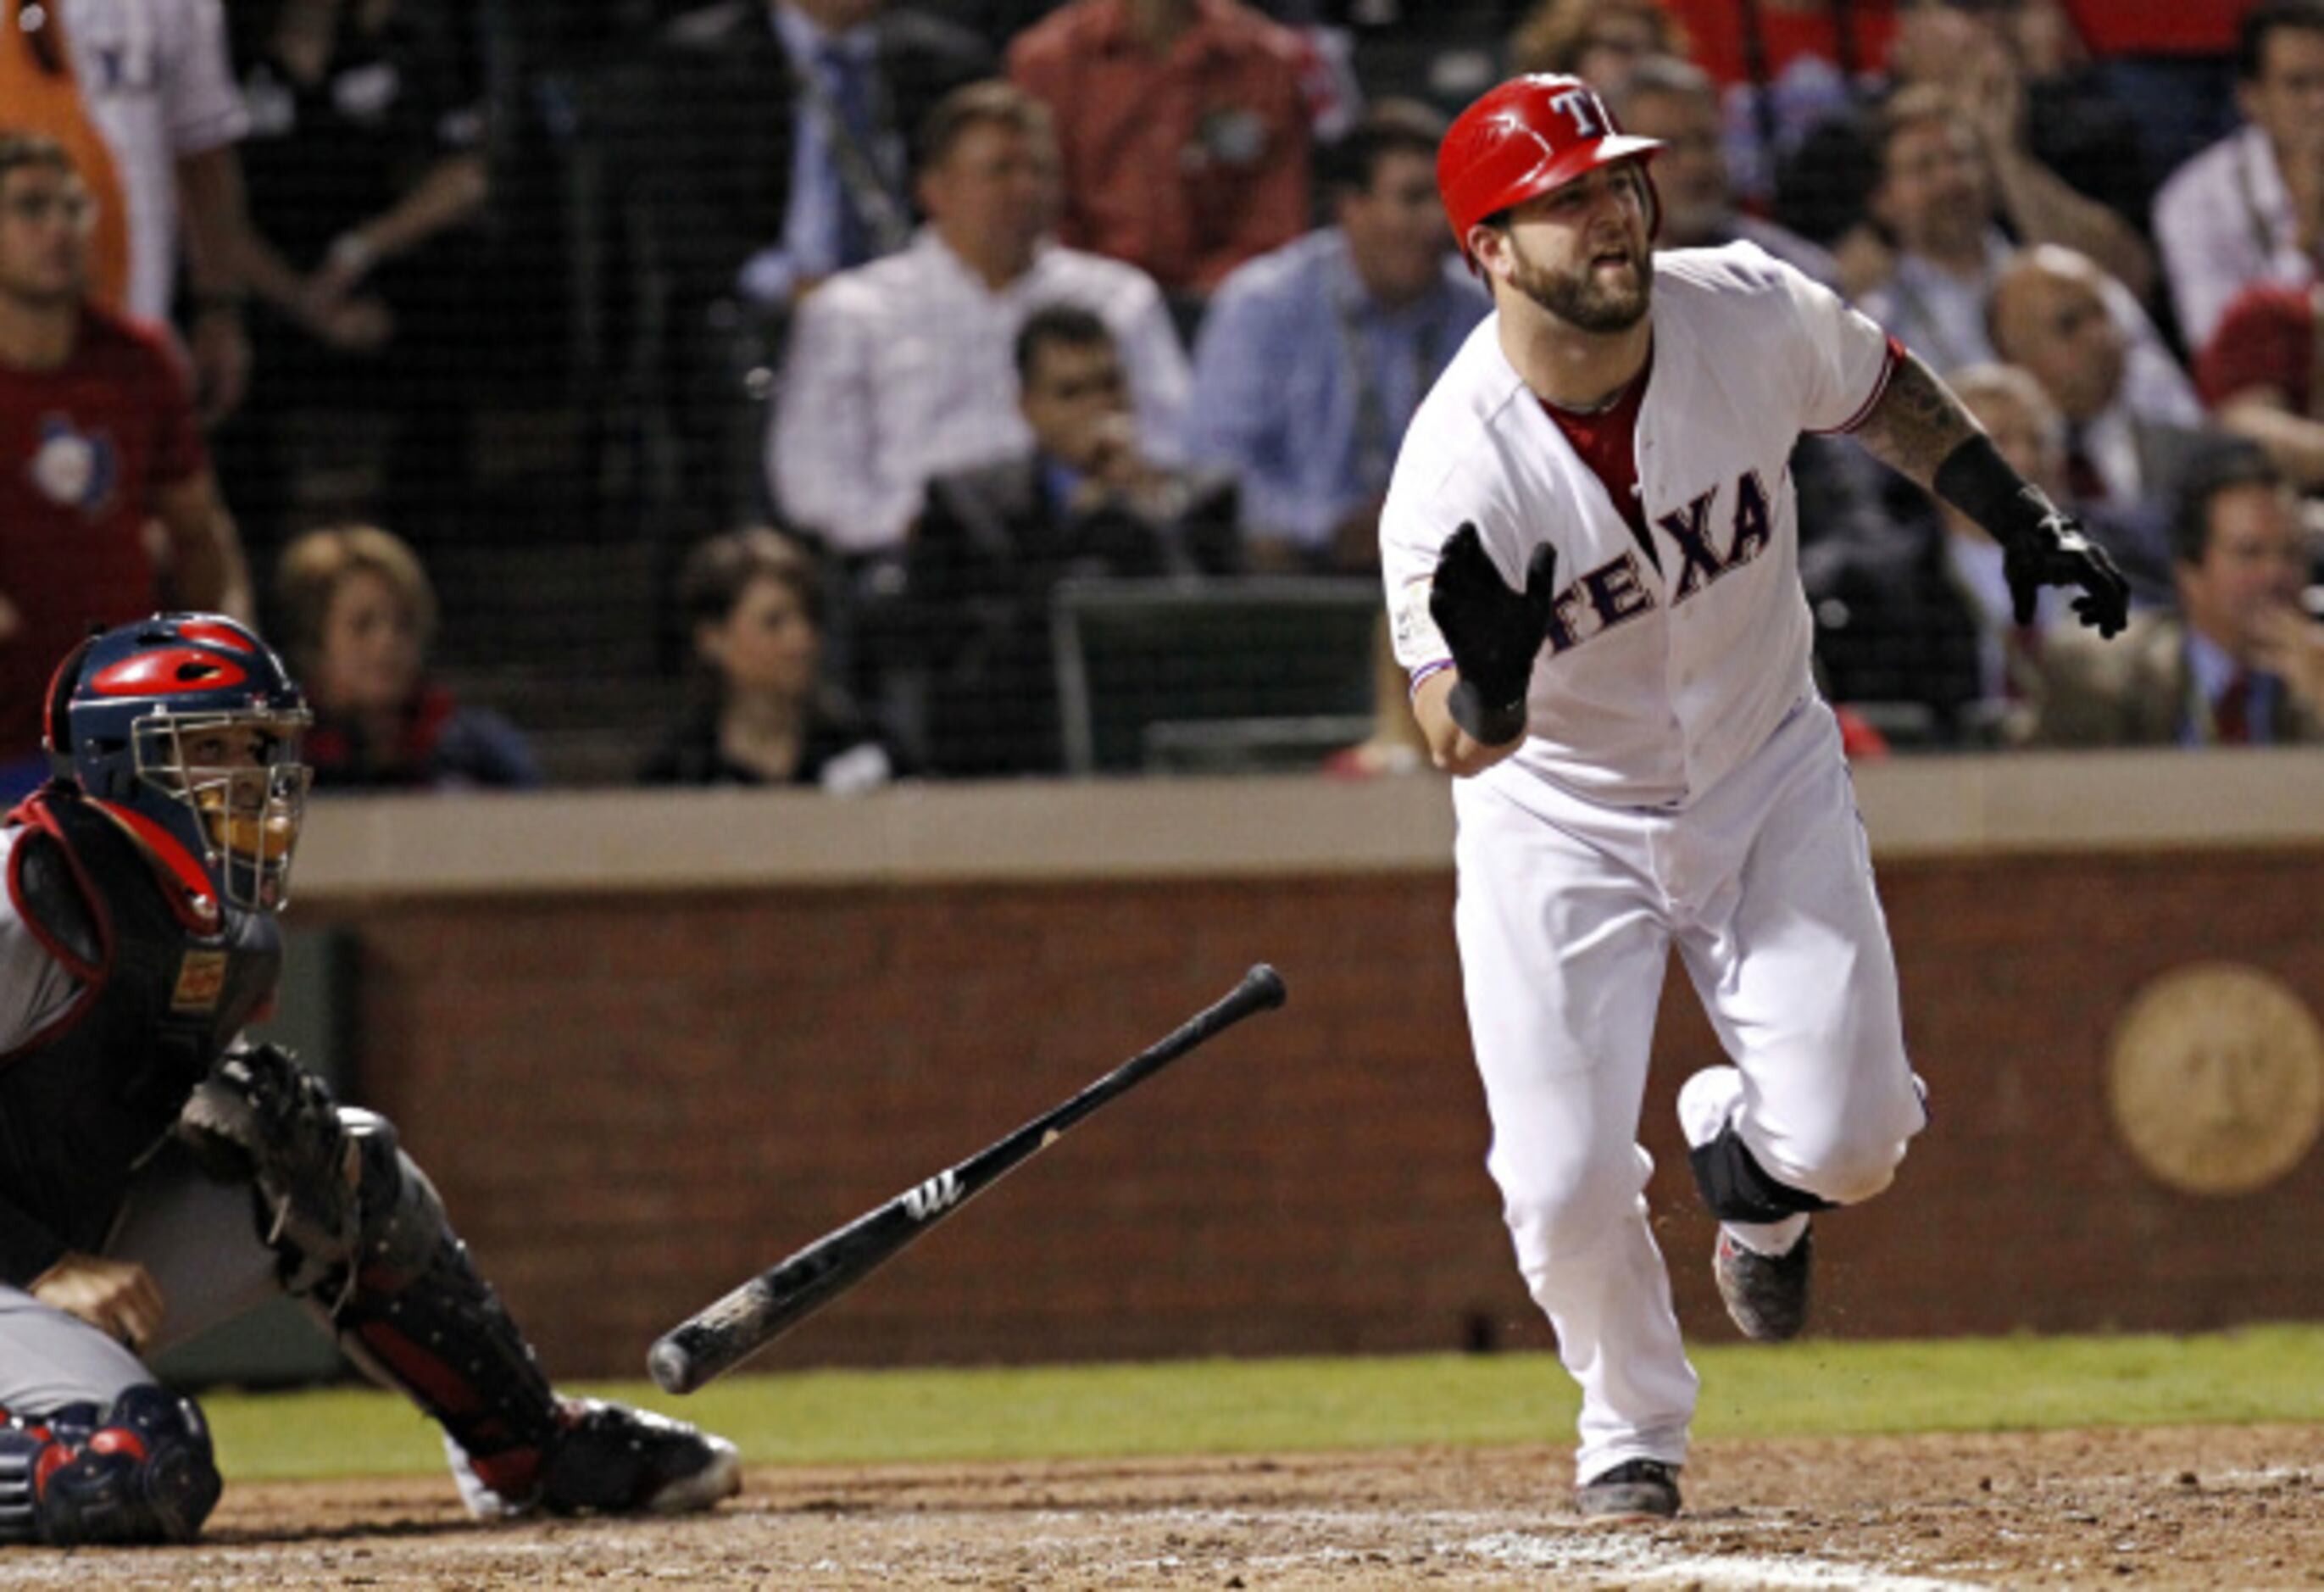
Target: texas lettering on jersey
(1613, 594)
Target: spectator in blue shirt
(1313, 357)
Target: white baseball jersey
(153, 74)
(1655, 681)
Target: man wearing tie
(2241, 663)
(780, 134)
(773, 147)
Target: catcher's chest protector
(160, 999)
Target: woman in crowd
(763, 714)
(357, 615)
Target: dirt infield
(2239, 1507)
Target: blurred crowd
(892, 330)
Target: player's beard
(1583, 298)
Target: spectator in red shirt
(2258, 374)
(98, 442)
(1182, 129)
(1782, 66)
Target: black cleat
(1766, 1295)
(1636, 1489)
(611, 1459)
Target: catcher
(159, 1175)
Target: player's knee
(1853, 1178)
(141, 1471)
(1853, 1155)
(1845, 1165)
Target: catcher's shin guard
(141, 1471)
(409, 1307)
(360, 1237)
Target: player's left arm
(204, 548)
(1917, 428)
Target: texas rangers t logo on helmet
(1590, 117)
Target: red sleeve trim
(1425, 670)
(33, 813)
(1896, 357)
(35, 816)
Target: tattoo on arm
(1917, 423)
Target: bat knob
(671, 1367)
(1265, 984)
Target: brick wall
(633, 1101)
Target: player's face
(1691, 173)
(370, 659)
(1581, 252)
(1396, 227)
(768, 646)
(248, 804)
(46, 219)
(2252, 566)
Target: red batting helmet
(1525, 137)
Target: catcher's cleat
(1636, 1489)
(607, 1459)
(611, 1459)
(1766, 1295)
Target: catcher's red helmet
(1525, 137)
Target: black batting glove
(2057, 552)
(1494, 633)
(2041, 544)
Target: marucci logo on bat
(933, 1198)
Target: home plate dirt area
(2212, 1507)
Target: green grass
(1243, 1406)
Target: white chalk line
(1608, 1556)
(1581, 1556)
(1634, 1561)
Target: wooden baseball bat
(720, 1337)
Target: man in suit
(2131, 414)
(2240, 663)
(783, 137)
(994, 540)
(775, 147)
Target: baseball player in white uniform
(1590, 549)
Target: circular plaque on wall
(2217, 1079)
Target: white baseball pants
(1567, 916)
